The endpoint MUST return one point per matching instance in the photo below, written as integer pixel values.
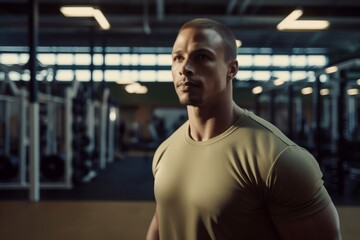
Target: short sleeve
(295, 188)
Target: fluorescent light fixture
(358, 82)
(136, 88)
(257, 90)
(292, 17)
(124, 81)
(101, 19)
(238, 43)
(306, 90)
(353, 91)
(77, 11)
(278, 82)
(331, 69)
(324, 92)
(291, 22)
(86, 11)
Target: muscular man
(227, 173)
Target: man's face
(198, 69)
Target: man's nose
(186, 69)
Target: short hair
(224, 31)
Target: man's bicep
(321, 225)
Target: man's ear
(232, 70)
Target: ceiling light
(332, 69)
(291, 22)
(257, 90)
(77, 11)
(306, 90)
(136, 88)
(353, 91)
(112, 114)
(238, 43)
(101, 19)
(278, 82)
(324, 92)
(358, 81)
(293, 16)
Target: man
(226, 173)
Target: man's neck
(206, 123)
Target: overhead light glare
(112, 114)
(136, 88)
(324, 92)
(306, 90)
(291, 22)
(238, 43)
(77, 11)
(101, 19)
(331, 69)
(86, 11)
(257, 90)
(353, 91)
(278, 82)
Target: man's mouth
(185, 85)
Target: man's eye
(202, 57)
(177, 58)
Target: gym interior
(86, 96)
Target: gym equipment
(52, 167)
(8, 167)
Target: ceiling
(155, 23)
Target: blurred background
(86, 96)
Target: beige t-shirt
(235, 185)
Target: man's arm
(324, 224)
(153, 231)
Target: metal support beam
(341, 131)
(231, 5)
(317, 117)
(290, 111)
(34, 194)
(244, 6)
(160, 10)
(272, 106)
(146, 23)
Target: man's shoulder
(174, 137)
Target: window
(82, 59)
(317, 60)
(98, 59)
(126, 64)
(147, 76)
(262, 60)
(65, 59)
(65, 75)
(283, 75)
(245, 60)
(147, 59)
(164, 59)
(298, 60)
(281, 60)
(298, 75)
(112, 75)
(10, 58)
(261, 75)
(130, 59)
(244, 75)
(82, 75)
(47, 58)
(98, 75)
(164, 76)
(113, 59)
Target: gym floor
(117, 204)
